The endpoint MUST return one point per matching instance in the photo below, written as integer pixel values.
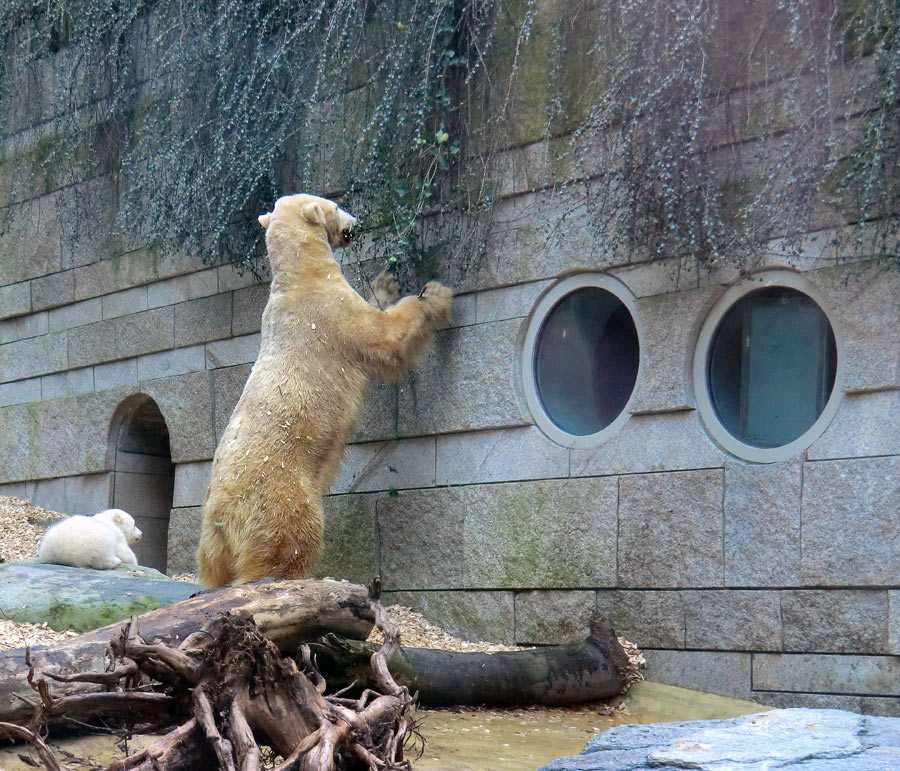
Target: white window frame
(546, 303)
(734, 294)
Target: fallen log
(555, 675)
(287, 612)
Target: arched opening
(143, 474)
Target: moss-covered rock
(83, 599)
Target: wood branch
(44, 752)
(287, 612)
(553, 676)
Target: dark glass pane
(772, 365)
(586, 361)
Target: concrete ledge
(826, 673)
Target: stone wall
(774, 582)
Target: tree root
(225, 692)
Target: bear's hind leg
(214, 559)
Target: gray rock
(808, 739)
(84, 599)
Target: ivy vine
(698, 128)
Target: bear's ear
(314, 212)
(118, 518)
(264, 219)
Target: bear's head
(312, 211)
(122, 520)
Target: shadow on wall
(143, 473)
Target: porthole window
(581, 359)
(767, 367)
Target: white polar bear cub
(99, 542)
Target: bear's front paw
(438, 301)
(385, 289)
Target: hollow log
(288, 613)
(555, 675)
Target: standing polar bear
(320, 345)
(101, 542)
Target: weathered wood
(288, 613)
(553, 676)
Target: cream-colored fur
(100, 542)
(320, 345)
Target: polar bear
(320, 344)
(100, 542)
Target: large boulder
(801, 739)
(83, 599)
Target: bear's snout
(135, 535)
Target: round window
(766, 367)
(581, 359)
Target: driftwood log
(287, 612)
(221, 695)
(556, 675)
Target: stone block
(74, 381)
(727, 674)
(144, 332)
(826, 673)
(76, 314)
(553, 617)
(92, 343)
(115, 374)
(125, 302)
(14, 489)
(885, 706)
(191, 483)
(894, 622)
(23, 327)
(29, 241)
(186, 404)
(541, 534)
(183, 539)
(236, 350)
(20, 392)
(650, 619)
(865, 424)
(202, 320)
(762, 523)
(351, 544)
(116, 273)
(670, 529)
(228, 384)
(130, 457)
(501, 455)
(851, 531)
(372, 466)
(182, 288)
(473, 616)
(667, 442)
(733, 619)
(863, 299)
(47, 493)
(421, 538)
(509, 302)
(659, 277)
(34, 356)
(466, 366)
(179, 361)
(836, 621)
(15, 299)
(248, 307)
(50, 291)
(230, 277)
(378, 417)
(668, 325)
(88, 493)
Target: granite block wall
(777, 582)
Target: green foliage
(681, 126)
